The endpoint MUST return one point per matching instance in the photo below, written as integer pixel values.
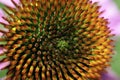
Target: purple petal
(4, 64)
(1, 15)
(109, 75)
(2, 78)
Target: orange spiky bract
(56, 40)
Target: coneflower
(56, 40)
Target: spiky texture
(56, 40)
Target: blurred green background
(116, 58)
(117, 2)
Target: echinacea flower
(56, 40)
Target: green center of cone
(62, 45)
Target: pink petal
(1, 15)
(4, 64)
(112, 13)
(9, 3)
(3, 21)
(1, 34)
(2, 50)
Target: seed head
(56, 40)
